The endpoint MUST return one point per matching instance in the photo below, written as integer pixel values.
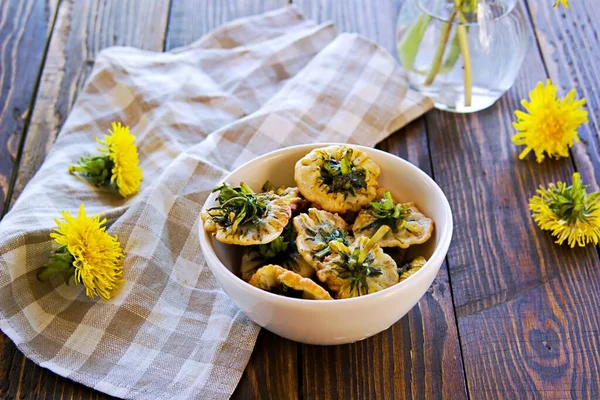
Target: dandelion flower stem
(452, 55)
(77, 168)
(325, 252)
(439, 53)
(463, 40)
(381, 232)
(409, 46)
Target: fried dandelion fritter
(246, 218)
(337, 178)
(408, 226)
(275, 279)
(315, 230)
(336, 235)
(411, 268)
(308, 288)
(281, 251)
(358, 269)
(291, 195)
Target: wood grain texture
(25, 27)
(82, 29)
(527, 308)
(436, 365)
(272, 372)
(569, 43)
(22, 379)
(375, 21)
(190, 19)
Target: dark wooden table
(510, 315)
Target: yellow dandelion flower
(120, 147)
(119, 165)
(88, 253)
(565, 3)
(551, 126)
(569, 212)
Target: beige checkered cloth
(252, 86)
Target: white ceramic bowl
(333, 321)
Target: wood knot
(546, 352)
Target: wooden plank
(375, 21)
(82, 28)
(436, 366)
(527, 308)
(420, 355)
(25, 27)
(272, 371)
(569, 43)
(25, 380)
(190, 19)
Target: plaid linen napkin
(249, 87)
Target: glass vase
(463, 54)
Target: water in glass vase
(464, 54)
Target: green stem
(463, 40)
(325, 252)
(77, 168)
(60, 261)
(452, 56)
(381, 232)
(46, 274)
(245, 188)
(439, 53)
(409, 45)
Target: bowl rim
(438, 256)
